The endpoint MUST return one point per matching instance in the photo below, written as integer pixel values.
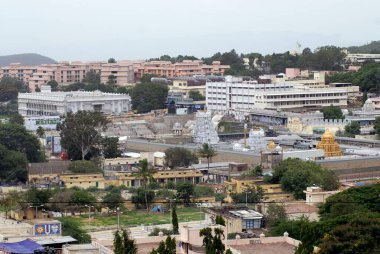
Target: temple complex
(256, 140)
(204, 130)
(329, 145)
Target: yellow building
(185, 85)
(272, 192)
(83, 181)
(329, 145)
(162, 176)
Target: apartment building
(48, 103)
(184, 85)
(16, 70)
(122, 73)
(361, 58)
(235, 94)
(185, 68)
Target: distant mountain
(370, 48)
(25, 59)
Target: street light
(118, 218)
(36, 206)
(89, 215)
(246, 198)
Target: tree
(250, 195)
(179, 157)
(84, 167)
(10, 87)
(296, 175)
(146, 78)
(40, 132)
(207, 151)
(92, 77)
(15, 137)
(16, 119)
(142, 198)
(175, 220)
(145, 174)
(213, 244)
(275, 214)
(12, 165)
(219, 220)
(113, 199)
(53, 84)
(167, 247)
(60, 201)
(82, 130)
(110, 147)
(185, 191)
(352, 129)
(196, 95)
(36, 197)
(71, 227)
(122, 244)
(118, 247)
(332, 112)
(253, 172)
(147, 97)
(111, 80)
(80, 198)
(111, 60)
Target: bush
(84, 167)
(203, 191)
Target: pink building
(122, 72)
(16, 70)
(185, 68)
(292, 73)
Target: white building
(48, 103)
(361, 58)
(236, 94)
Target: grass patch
(139, 217)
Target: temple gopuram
(329, 145)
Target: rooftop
(272, 248)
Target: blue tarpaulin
(23, 247)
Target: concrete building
(235, 94)
(48, 103)
(361, 58)
(186, 84)
(121, 71)
(16, 70)
(184, 68)
(315, 195)
(83, 181)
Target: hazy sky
(124, 29)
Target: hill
(25, 59)
(370, 48)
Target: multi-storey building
(122, 73)
(361, 58)
(236, 94)
(47, 103)
(185, 68)
(16, 70)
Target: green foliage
(203, 191)
(122, 244)
(111, 60)
(175, 220)
(253, 172)
(113, 199)
(92, 77)
(363, 199)
(296, 175)
(196, 95)
(352, 129)
(110, 147)
(142, 198)
(207, 151)
(371, 48)
(82, 197)
(40, 132)
(219, 220)
(185, 191)
(16, 119)
(12, 165)
(70, 227)
(219, 197)
(148, 96)
(36, 197)
(145, 174)
(213, 243)
(53, 84)
(81, 130)
(251, 195)
(293, 227)
(167, 247)
(146, 78)
(332, 112)
(84, 167)
(10, 87)
(179, 157)
(275, 214)
(15, 137)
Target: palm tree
(40, 132)
(207, 151)
(145, 174)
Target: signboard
(46, 122)
(45, 229)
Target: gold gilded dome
(271, 145)
(329, 145)
(327, 135)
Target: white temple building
(256, 140)
(204, 130)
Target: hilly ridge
(26, 59)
